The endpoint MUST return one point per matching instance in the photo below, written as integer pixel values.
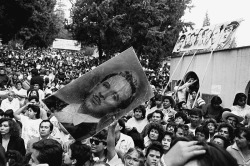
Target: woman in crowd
(155, 133)
(211, 125)
(134, 157)
(240, 107)
(227, 131)
(10, 136)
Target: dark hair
(235, 24)
(157, 127)
(226, 141)
(14, 127)
(102, 135)
(230, 130)
(9, 113)
(51, 126)
(121, 123)
(158, 112)
(1, 112)
(168, 133)
(2, 156)
(142, 109)
(171, 100)
(133, 84)
(195, 111)
(203, 130)
(34, 72)
(50, 152)
(244, 130)
(184, 127)
(172, 124)
(237, 97)
(215, 155)
(211, 120)
(182, 115)
(35, 109)
(33, 90)
(80, 152)
(216, 100)
(155, 145)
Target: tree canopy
(32, 21)
(150, 26)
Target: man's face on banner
(107, 95)
(226, 34)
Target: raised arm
(19, 111)
(111, 141)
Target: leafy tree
(206, 21)
(32, 21)
(150, 26)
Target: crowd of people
(172, 129)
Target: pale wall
(229, 69)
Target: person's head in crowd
(171, 127)
(211, 125)
(53, 84)
(46, 151)
(201, 133)
(155, 132)
(45, 128)
(1, 113)
(9, 113)
(34, 72)
(216, 102)
(220, 141)
(166, 141)
(181, 105)
(9, 127)
(99, 143)
(25, 75)
(180, 118)
(226, 130)
(36, 86)
(14, 157)
(242, 138)
(154, 153)
(78, 154)
(195, 117)
(157, 116)
(120, 127)
(181, 130)
(33, 111)
(167, 101)
(231, 118)
(33, 92)
(158, 100)
(240, 100)
(2, 71)
(113, 93)
(34, 100)
(11, 95)
(139, 112)
(134, 157)
(18, 85)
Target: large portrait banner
(208, 38)
(88, 104)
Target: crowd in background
(171, 129)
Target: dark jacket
(15, 143)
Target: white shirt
(237, 110)
(14, 104)
(138, 124)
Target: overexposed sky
(220, 11)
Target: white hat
(227, 114)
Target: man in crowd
(45, 129)
(231, 118)
(153, 154)
(195, 119)
(10, 102)
(46, 151)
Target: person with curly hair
(134, 157)
(155, 133)
(211, 125)
(10, 136)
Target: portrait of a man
(109, 93)
(179, 43)
(227, 37)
